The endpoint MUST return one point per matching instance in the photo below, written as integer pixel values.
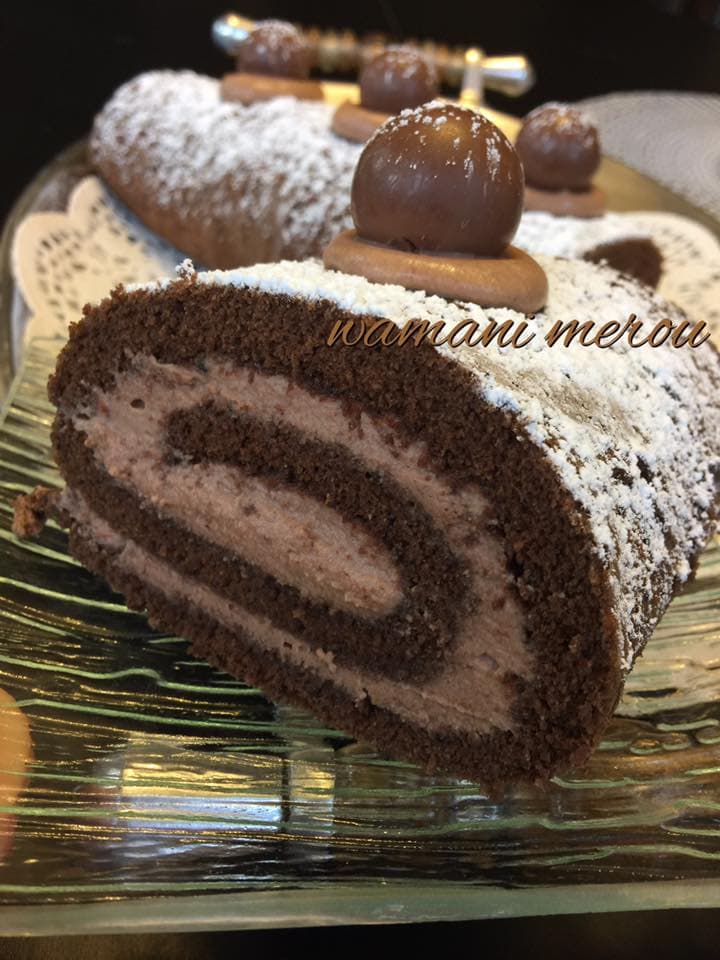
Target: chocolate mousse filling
(401, 603)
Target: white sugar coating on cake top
(634, 434)
(554, 236)
(275, 165)
(690, 275)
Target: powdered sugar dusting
(269, 180)
(493, 156)
(633, 434)
(186, 269)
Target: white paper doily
(672, 137)
(62, 261)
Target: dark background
(60, 61)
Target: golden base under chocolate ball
(250, 88)
(356, 123)
(512, 279)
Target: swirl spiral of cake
(453, 553)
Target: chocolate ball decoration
(275, 48)
(397, 78)
(440, 178)
(559, 148)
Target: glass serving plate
(163, 795)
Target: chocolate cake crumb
(32, 511)
(636, 257)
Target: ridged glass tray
(164, 795)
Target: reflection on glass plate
(164, 793)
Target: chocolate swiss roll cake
(453, 553)
(444, 515)
(227, 183)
